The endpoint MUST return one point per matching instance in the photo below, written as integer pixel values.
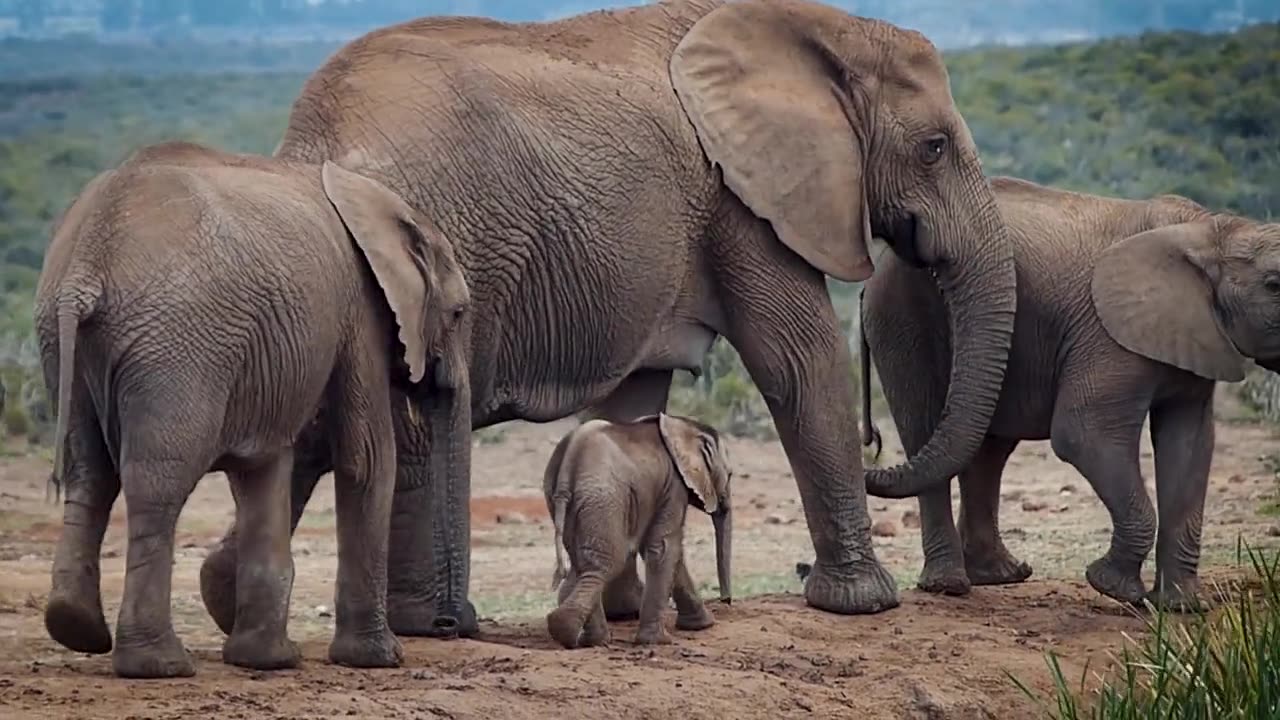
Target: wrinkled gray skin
(624, 186)
(613, 489)
(194, 310)
(1124, 308)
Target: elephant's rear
(170, 259)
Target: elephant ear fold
(384, 228)
(691, 451)
(1153, 293)
(764, 95)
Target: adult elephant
(1126, 308)
(623, 187)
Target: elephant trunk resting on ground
(194, 309)
(624, 186)
(1125, 307)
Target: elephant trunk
(979, 289)
(450, 422)
(722, 521)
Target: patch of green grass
(1225, 664)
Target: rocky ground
(768, 656)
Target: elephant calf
(194, 310)
(1125, 308)
(615, 488)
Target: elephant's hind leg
(264, 575)
(1099, 436)
(595, 563)
(157, 475)
(986, 560)
(73, 615)
(1182, 434)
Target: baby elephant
(615, 488)
(194, 310)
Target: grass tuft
(1222, 665)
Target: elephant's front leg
(312, 459)
(1099, 437)
(789, 337)
(1182, 434)
(986, 560)
(428, 566)
(641, 393)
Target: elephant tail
(870, 433)
(71, 312)
(557, 517)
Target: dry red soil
(768, 656)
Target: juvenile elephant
(624, 186)
(615, 488)
(1125, 307)
(194, 310)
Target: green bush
(16, 422)
(1222, 666)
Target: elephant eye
(1272, 283)
(934, 148)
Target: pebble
(511, 518)
(774, 519)
(884, 528)
(911, 519)
(1030, 505)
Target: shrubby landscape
(1197, 115)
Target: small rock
(511, 518)
(1236, 479)
(323, 611)
(1012, 495)
(884, 528)
(1030, 505)
(911, 519)
(1274, 531)
(1062, 508)
(774, 519)
(1067, 489)
(758, 504)
(880, 508)
(112, 553)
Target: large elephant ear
(691, 451)
(763, 95)
(384, 228)
(1154, 294)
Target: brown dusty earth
(768, 656)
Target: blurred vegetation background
(1197, 115)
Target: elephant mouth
(901, 232)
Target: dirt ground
(768, 656)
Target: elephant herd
(470, 221)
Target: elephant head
(703, 464)
(835, 129)
(1199, 295)
(415, 267)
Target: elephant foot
(595, 635)
(622, 598)
(944, 576)
(166, 658)
(77, 626)
(413, 617)
(1181, 596)
(1123, 585)
(996, 568)
(218, 585)
(565, 625)
(854, 589)
(696, 621)
(261, 651)
(653, 635)
(366, 650)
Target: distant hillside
(951, 23)
(1172, 112)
